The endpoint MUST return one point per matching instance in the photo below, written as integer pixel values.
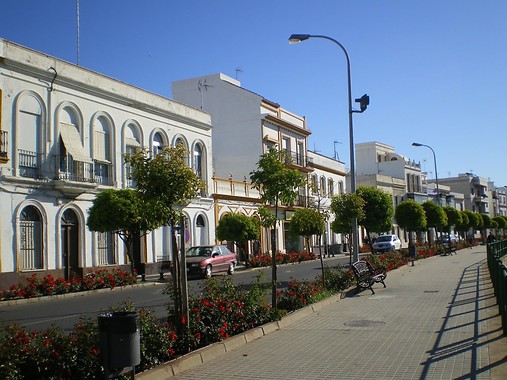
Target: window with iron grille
(105, 248)
(30, 233)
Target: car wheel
(231, 268)
(208, 271)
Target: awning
(130, 141)
(72, 142)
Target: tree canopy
(125, 213)
(238, 228)
(307, 222)
(165, 179)
(454, 218)
(410, 215)
(275, 180)
(435, 215)
(346, 208)
(378, 210)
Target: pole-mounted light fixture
(363, 101)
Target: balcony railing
(29, 164)
(103, 173)
(67, 169)
(234, 188)
(299, 159)
(3, 144)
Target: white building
(245, 126)
(64, 131)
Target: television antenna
(336, 156)
(77, 30)
(238, 70)
(202, 86)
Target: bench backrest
(361, 268)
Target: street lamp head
(297, 38)
(416, 144)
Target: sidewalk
(435, 320)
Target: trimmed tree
(132, 218)
(277, 183)
(307, 222)
(454, 218)
(474, 221)
(463, 225)
(378, 210)
(501, 223)
(435, 216)
(238, 228)
(410, 215)
(346, 208)
(167, 182)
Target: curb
(206, 354)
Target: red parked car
(205, 260)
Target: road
(65, 312)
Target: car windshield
(384, 238)
(199, 251)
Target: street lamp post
(436, 173)
(296, 38)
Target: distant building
(476, 190)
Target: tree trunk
(273, 259)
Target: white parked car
(386, 243)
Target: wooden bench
(366, 275)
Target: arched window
(340, 187)
(30, 232)
(29, 136)
(200, 222)
(330, 187)
(132, 143)
(157, 145)
(322, 186)
(102, 151)
(314, 184)
(198, 161)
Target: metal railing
(298, 158)
(497, 253)
(3, 143)
(29, 164)
(70, 170)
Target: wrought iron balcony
(29, 164)
(3, 145)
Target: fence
(497, 252)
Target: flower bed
(47, 286)
(265, 259)
(219, 311)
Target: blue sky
(435, 70)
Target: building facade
(245, 126)
(64, 133)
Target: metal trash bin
(119, 341)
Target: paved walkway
(435, 320)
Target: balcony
(29, 164)
(73, 177)
(103, 173)
(3, 147)
(297, 159)
(226, 189)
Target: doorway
(70, 244)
